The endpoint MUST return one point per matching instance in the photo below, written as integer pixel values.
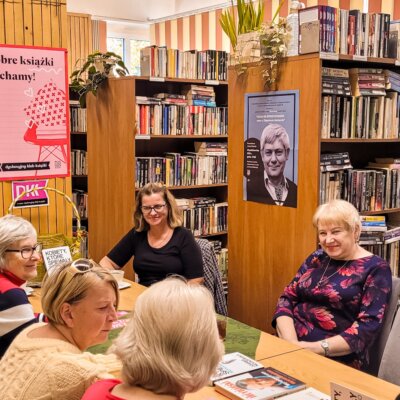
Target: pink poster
(34, 118)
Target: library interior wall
(38, 23)
(203, 31)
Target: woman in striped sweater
(19, 255)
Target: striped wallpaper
(203, 32)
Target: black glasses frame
(27, 252)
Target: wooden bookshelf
(267, 244)
(113, 146)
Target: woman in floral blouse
(335, 304)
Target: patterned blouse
(330, 297)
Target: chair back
(212, 275)
(389, 369)
(379, 347)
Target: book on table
(261, 384)
(307, 394)
(234, 364)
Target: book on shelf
(234, 364)
(261, 384)
(392, 235)
(394, 39)
(306, 394)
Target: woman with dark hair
(158, 242)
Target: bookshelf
(267, 244)
(79, 167)
(114, 151)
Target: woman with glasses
(158, 242)
(178, 356)
(19, 255)
(47, 361)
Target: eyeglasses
(79, 266)
(27, 252)
(157, 208)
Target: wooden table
(126, 302)
(315, 370)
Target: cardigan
(44, 369)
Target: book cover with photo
(234, 364)
(262, 384)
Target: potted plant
(249, 20)
(254, 40)
(95, 70)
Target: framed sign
(34, 114)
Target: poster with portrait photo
(271, 127)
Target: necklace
(324, 279)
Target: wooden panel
(268, 243)
(39, 23)
(79, 38)
(111, 150)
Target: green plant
(274, 38)
(249, 19)
(94, 71)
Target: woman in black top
(158, 242)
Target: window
(135, 46)
(129, 50)
(116, 45)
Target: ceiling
(140, 11)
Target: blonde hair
(174, 213)
(338, 212)
(13, 229)
(57, 289)
(171, 344)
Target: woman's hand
(337, 346)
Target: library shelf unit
(267, 244)
(113, 148)
(79, 177)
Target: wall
(202, 31)
(38, 23)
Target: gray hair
(183, 349)
(273, 132)
(13, 229)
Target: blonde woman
(47, 361)
(335, 304)
(170, 346)
(158, 242)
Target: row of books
(359, 81)
(222, 258)
(332, 30)
(373, 189)
(203, 215)
(364, 117)
(77, 117)
(79, 165)
(389, 252)
(366, 189)
(80, 199)
(158, 61)
(170, 119)
(241, 378)
(181, 170)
